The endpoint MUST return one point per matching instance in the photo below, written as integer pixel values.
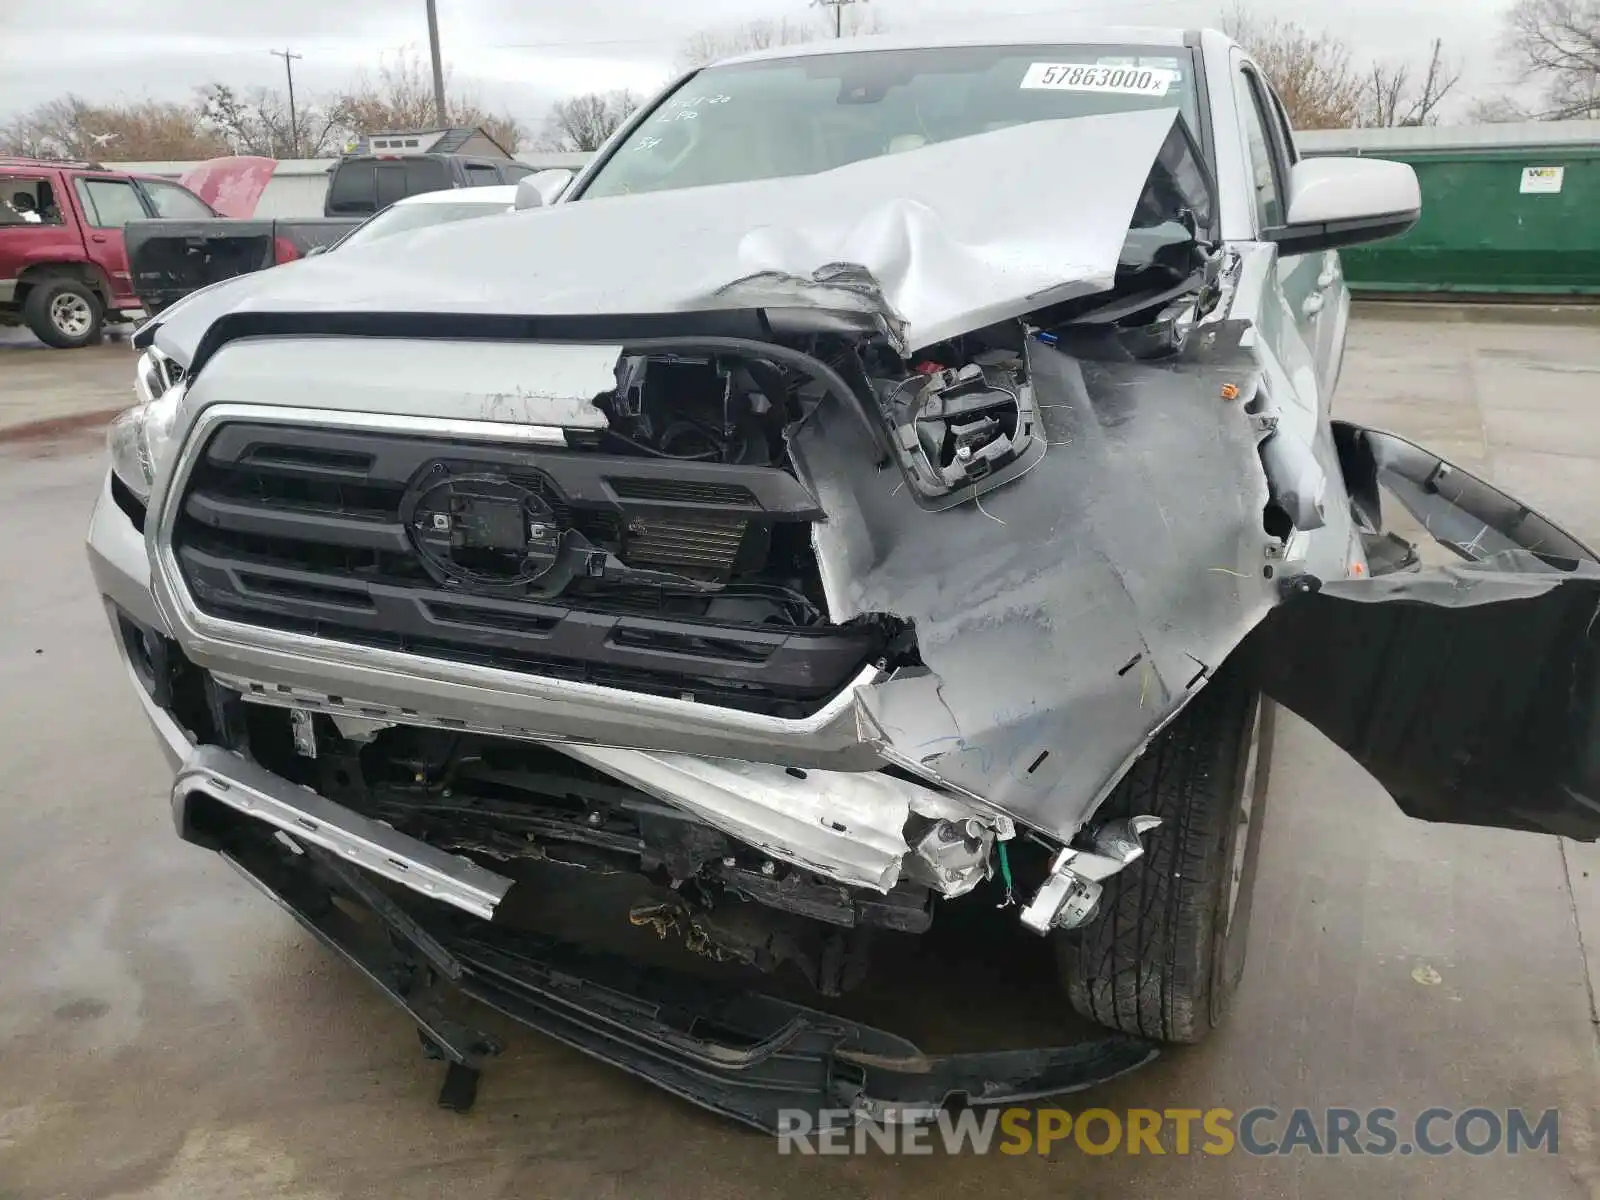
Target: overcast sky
(523, 55)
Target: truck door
(108, 204)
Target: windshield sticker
(697, 101)
(1093, 77)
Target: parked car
(171, 259)
(63, 262)
(387, 167)
(917, 519)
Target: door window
(110, 203)
(482, 175)
(1265, 174)
(170, 200)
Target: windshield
(400, 217)
(798, 116)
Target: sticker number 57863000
(1091, 77)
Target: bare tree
(71, 127)
(1497, 110)
(1391, 99)
(585, 122)
(1311, 72)
(1556, 43)
(400, 96)
(862, 22)
(257, 122)
(711, 44)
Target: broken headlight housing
(140, 438)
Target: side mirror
(1337, 202)
(542, 188)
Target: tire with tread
(37, 307)
(1160, 959)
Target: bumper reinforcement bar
(256, 792)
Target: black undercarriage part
(745, 1055)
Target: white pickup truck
(895, 475)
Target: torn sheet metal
(953, 235)
(1065, 618)
(847, 826)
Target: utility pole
(288, 57)
(438, 64)
(838, 12)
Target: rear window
(799, 116)
(28, 200)
(366, 185)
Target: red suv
(63, 265)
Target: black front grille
(313, 531)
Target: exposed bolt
(730, 862)
(446, 793)
(769, 867)
(594, 818)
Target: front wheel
(1164, 955)
(64, 313)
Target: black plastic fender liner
(747, 1056)
(1469, 713)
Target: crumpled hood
(940, 240)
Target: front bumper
(430, 944)
(845, 824)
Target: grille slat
(304, 530)
(297, 522)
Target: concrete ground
(167, 1034)
(45, 391)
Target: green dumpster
(1509, 221)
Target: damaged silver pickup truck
(894, 476)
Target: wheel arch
(37, 274)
